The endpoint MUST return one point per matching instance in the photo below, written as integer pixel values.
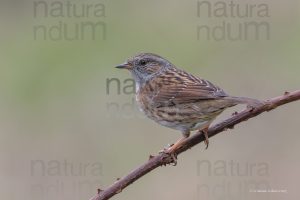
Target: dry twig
(165, 159)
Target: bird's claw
(174, 159)
(171, 154)
(206, 141)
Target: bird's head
(145, 66)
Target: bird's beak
(125, 65)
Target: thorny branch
(165, 159)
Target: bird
(177, 99)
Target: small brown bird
(177, 99)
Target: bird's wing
(179, 87)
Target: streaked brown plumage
(175, 98)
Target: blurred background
(69, 123)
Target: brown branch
(164, 159)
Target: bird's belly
(186, 126)
(183, 119)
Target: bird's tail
(244, 100)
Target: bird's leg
(171, 150)
(179, 143)
(204, 132)
(175, 146)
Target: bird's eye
(143, 62)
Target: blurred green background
(65, 131)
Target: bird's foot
(206, 141)
(171, 149)
(171, 154)
(205, 133)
